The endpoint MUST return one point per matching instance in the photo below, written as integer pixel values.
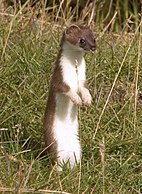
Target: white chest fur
(73, 71)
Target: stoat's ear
(72, 29)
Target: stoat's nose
(93, 48)
(93, 45)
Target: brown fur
(86, 85)
(74, 34)
(57, 85)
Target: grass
(110, 130)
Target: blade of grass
(3, 189)
(137, 78)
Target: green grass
(110, 130)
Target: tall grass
(127, 13)
(110, 130)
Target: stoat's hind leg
(69, 159)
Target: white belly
(66, 131)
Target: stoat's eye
(82, 41)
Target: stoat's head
(80, 38)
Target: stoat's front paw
(87, 98)
(76, 99)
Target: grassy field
(110, 130)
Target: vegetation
(118, 14)
(110, 130)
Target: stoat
(68, 89)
